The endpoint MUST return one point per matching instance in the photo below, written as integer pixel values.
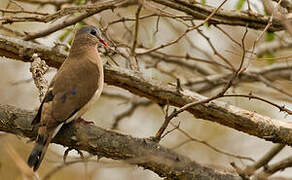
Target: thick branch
(222, 113)
(229, 17)
(90, 12)
(196, 10)
(97, 141)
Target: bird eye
(93, 32)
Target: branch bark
(103, 143)
(242, 120)
(228, 17)
(196, 10)
(90, 12)
(249, 122)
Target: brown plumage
(77, 84)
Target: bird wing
(72, 87)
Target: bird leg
(79, 120)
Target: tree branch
(228, 17)
(272, 72)
(103, 143)
(242, 120)
(196, 10)
(90, 12)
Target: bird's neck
(83, 45)
(87, 51)
(83, 49)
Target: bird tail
(38, 152)
(42, 143)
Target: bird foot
(81, 120)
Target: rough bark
(228, 17)
(242, 120)
(97, 141)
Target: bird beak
(102, 41)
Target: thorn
(249, 95)
(187, 56)
(178, 86)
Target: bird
(74, 88)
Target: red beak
(103, 42)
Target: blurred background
(137, 116)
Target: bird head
(91, 34)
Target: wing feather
(48, 97)
(74, 87)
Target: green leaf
(270, 36)
(207, 24)
(80, 2)
(203, 1)
(239, 4)
(271, 56)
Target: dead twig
(38, 69)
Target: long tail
(38, 152)
(42, 143)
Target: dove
(75, 87)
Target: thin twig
(263, 161)
(183, 34)
(191, 138)
(250, 96)
(168, 118)
(136, 29)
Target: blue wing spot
(73, 91)
(63, 98)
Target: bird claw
(81, 120)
